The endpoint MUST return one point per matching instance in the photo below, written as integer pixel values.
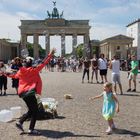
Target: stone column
(74, 43)
(131, 45)
(47, 43)
(86, 49)
(23, 41)
(63, 51)
(35, 46)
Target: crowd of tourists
(90, 67)
(26, 88)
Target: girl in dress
(110, 104)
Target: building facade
(8, 50)
(133, 30)
(119, 45)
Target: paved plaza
(79, 118)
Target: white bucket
(16, 111)
(6, 115)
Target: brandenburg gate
(54, 24)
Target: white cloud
(135, 4)
(25, 16)
(113, 10)
(9, 26)
(29, 5)
(102, 31)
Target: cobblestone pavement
(79, 118)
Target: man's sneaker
(34, 132)
(134, 90)
(19, 126)
(129, 90)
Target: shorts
(132, 76)
(103, 72)
(116, 78)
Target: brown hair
(17, 58)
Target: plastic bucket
(6, 115)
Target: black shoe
(134, 90)
(4, 94)
(129, 90)
(19, 126)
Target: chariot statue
(55, 13)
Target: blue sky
(107, 17)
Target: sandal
(34, 132)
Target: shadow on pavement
(130, 94)
(60, 117)
(57, 134)
(126, 132)
(48, 118)
(11, 94)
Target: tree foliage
(79, 50)
(42, 51)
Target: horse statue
(61, 15)
(55, 13)
(49, 15)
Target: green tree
(30, 49)
(79, 50)
(42, 51)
